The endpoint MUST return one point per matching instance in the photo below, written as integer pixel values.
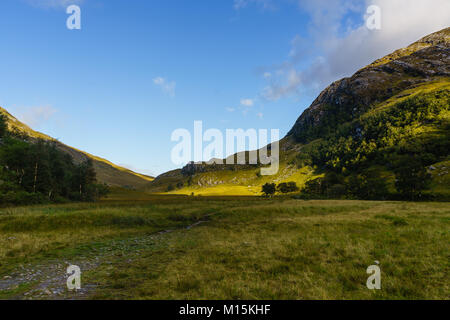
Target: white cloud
(287, 84)
(53, 3)
(168, 87)
(340, 47)
(230, 109)
(260, 115)
(247, 102)
(35, 116)
(241, 4)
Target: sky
(138, 70)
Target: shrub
(269, 189)
(337, 191)
(287, 187)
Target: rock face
(192, 168)
(348, 98)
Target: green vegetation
(374, 156)
(438, 38)
(417, 126)
(383, 134)
(34, 172)
(394, 142)
(236, 248)
(269, 189)
(106, 172)
(374, 135)
(288, 187)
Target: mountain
(107, 172)
(349, 98)
(364, 132)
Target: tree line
(34, 171)
(394, 146)
(384, 154)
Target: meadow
(139, 246)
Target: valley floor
(138, 246)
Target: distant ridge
(107, 172)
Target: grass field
(136, 246)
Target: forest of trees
(35, 171)
(401, 141)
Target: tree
(269, 189)
(36, 171)
(292, 186)
(411, 178)
(83, 181)
(287, 187)
(368, 185)
(337, 191)
(283, 187)
(2, 125)
(314, 187)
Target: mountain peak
(425, 60)
(439, 38)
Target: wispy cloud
(35, 117)
(287, 83)
(264, 4)
(337, 47)
(230, 109)
(168, 87)
(53, 3)
(247, 102)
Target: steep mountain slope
(397, 105)
(106, 171)
(349, 98)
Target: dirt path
(48, 280)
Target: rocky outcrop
(348, 98)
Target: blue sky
(138, 70)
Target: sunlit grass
(313, 250)
(247, 247)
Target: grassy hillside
(359, 129)
(411, 127)
(296, 162)
(178, 247)
(106, 171)
(232, 180)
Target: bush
(22, 198)
(337, 191)
(269, 189)
(287, 187)
(411, 178)
(180, 185)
